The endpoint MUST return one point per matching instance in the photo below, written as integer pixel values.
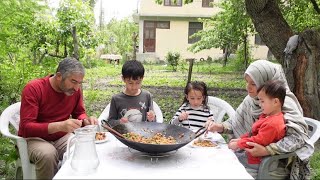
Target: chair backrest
(11, 115)
(158, 112)
(313, 128)
(159, 117)
(266, 164)
(220, 108)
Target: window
(193, 28)
(173, 2)
(207, 3)
(163, 24)
(258, 40)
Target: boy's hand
(151, 115)
(124, 120)
(233, 145)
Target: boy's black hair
(199, 86)
(274, 89)
(132, 69)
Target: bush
(209, 59)
(173, 59)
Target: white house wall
(150, 8)
(175, 39)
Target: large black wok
(148, 129)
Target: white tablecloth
(117, 162)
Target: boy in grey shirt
(132, 104)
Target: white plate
(102, 141)
(194, 146)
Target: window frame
(163, 22)
(171, 3)
(193, 30)
(207, 3)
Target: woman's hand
(151, 115)
(213, 127)
(257, 150)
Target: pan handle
(199, 132)
(112, 131)
(103, 121)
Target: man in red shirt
(51, 108)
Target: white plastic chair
(11, 115)
(159, 117)
(220, 108)
(267, 163)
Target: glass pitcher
(85, 159)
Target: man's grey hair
(70, 65)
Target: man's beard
(68, 92)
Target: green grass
(315, 165)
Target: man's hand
(68, 125)
(257, 150)
(90, 121)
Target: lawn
(103, 80)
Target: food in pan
(158, 138)
(204, 143)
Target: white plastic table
(117, 162)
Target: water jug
(85, 159)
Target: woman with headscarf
(247, 113)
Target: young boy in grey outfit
(132, 104)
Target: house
(168, 27)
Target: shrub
(173, 59)
(209, 59)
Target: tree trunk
(134, 39)
(65, 53)
(75, 43)
(57, 47)
(246, 61)
(270, 24)
(225, 56)
(303, 72)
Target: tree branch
(315, 6)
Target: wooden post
(191, 60)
